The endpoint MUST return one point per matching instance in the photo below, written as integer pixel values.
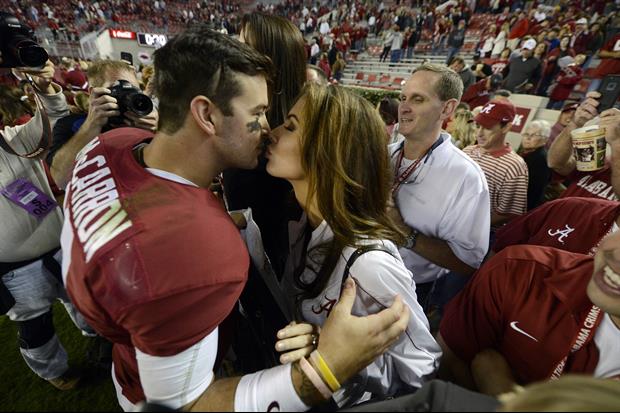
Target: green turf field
(22, 390)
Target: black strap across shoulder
(361, 251)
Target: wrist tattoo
(304, 387)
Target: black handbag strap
(359, 252)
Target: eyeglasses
(531, 135)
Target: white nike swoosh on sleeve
(514, 327)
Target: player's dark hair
(201, 61)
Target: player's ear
(202, 110)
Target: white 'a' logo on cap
(487, 109)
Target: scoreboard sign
(152, 40)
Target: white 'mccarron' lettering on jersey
(96, 212)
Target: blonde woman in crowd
(80, 103)
(462, 129)
(332, 150)
(147, 75)
(488, 41)
(500, 40)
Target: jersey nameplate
(93, 204)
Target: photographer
(73, 132)
(29, 246)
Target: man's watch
(412, 239)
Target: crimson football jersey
(529, 303)
(595, 184)
(151, 263)
(571, 224)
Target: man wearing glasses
(535, 155)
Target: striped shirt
(507, 177)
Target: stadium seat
(359, 76)
(590, 72)
(372, 78)
(384, 79)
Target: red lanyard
(584, 336)
(400, 179)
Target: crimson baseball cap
(495, 112)
(76, 80)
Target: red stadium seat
(372, 78)
(384, 79)
(590, 72)
(359, 76)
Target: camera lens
(141, 104)
(28, 52)
(33, 56)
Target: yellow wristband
(324, 370)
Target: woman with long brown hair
(551, 63)
(338, 67)
(15, 108)
(332, 150)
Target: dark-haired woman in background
(269, 198)
(388, 110)
(279, 39)
(552, 64)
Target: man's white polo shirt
(446, 197)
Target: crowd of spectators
(76, 17)
(548, 50)
(545, 50)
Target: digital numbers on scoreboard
(152, 40)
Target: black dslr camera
(17, 44)
(129, 99)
